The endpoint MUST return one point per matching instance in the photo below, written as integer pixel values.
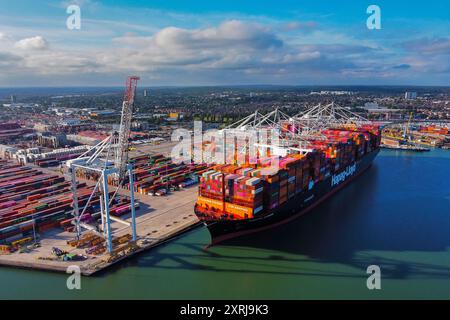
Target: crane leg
(133, 210)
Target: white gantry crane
(109, 158)
(328, 115)
(295, 133)
(292, 134)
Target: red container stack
(255, 191)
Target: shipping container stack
(154, 172)
(295, 172)
(315, 159)
(289, 164)
(12, 130)
(31, 200)
(434, 130)
(283, 174)
(247, 192)
(54, 161)
(271, 191)
(232, 192)
(212, 185)
(236, 192)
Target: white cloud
(5, 39)
(34, 43)
(429, 46)
(301, 57)
(233, 51)
(235, 33)
(231, 44)
(299, 25)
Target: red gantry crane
(97, 160)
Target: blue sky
(179, 42)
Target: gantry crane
(125, 126)
(304, 128)
(329, 115)
(250, 136)
(407, 128)
(97, 160)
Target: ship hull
(293, 208)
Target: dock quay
(166, 218)
(32, 192)
(406, 147)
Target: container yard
(36, 229)
(12, 131)
(75, 214)
(51, 158)
(156, 172)
(416, 137)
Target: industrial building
(410, 95)
(49, 140)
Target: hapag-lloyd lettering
(341, 177)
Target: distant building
(334, 93)
(371, 106)
(88, 137)
(388, 114)
(20, 105)
(6, 152)
(145, 93)
(70, 122)
(54, 141)
(410, 95)
(41, 127)
(102, 113)
(63, 111)
(13, 99)
(139, 125)
(174, 116)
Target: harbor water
(395, 216)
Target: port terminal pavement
(158, 220)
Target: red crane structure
(125, 126)
(97, 160)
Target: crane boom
(125, 126)
(407, 126)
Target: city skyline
(175, 43)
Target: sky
(217, 42)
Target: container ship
(235, 200)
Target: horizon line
(230, 85)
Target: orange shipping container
(34, 197)
(212, 203)
(240, 211)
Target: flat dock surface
(158, 219)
